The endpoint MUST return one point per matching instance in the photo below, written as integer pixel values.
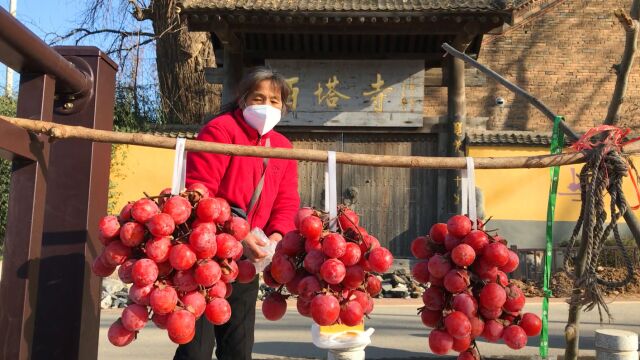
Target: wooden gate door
(395, 204)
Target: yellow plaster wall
(522, 194)
(136, 169)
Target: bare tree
(181, 56)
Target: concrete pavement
(399, 334)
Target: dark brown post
(233, 67)
(18, 289)
(67, 315)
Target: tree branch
(623, 70)
(86, 33)
(140, 12)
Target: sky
(44, 17)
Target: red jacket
(235, 178)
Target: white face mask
(263, 118)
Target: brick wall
(562, 54)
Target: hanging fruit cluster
(181, 253)
(332, 273)
(469, 293)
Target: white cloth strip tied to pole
(468, 189)
(330, 191)
(179, 167)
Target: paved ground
(399, 334)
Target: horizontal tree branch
(59, 131)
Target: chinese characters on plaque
(353, 92)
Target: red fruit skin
(373, 285)
(439, 266)
(132, 234)
(484, 270)
(477, 326)
(492, 296)
(144, 272)
(302, 214)
(157, 249)
(124, 271)
(182, 257)
(496, 254)
(134, 317)
(194, 302)
(515, 299)
(246, 271)
(125, 213)
(274, 306)
(351, 255)
(490, 314)
(456, 281)
(461, 344)
(178, 208)
(308, 287)
(160, 320)
(433, 298)
(118, 335)
(184, 281)
(531, 324)
(512, 264)
(354, 277)
(225, 211)
(218, 311)
(292, 286)
(466, 304)
(351, 313)
(180, 325)
(181, 340)
(420, 272)
(312, 244)
(115, 253)
(420, 248)
(268, 279)
(292, 243)
(208, 210)
(514, 337)
(463, 255)
(230, 272)
(501, 279)
(140, 295)
(304, 307)
(492, 330)
(101, 269)
(380, 260)
(282, 269)
(348, 219)
(313, 261)
(368, 243)
(430, 318)
(468, 355)
(199, 188)
(325, 310)
(440, 342)
(237, 227)
(478, 240)
(164, 269)
(459, 225)
(163, 300)
(438, 232)
(332, 271)
(203, 241)
(109, 227)
(451, 242)
(163, 196)
(311, 227)
(457, 325)
(161, 225)
(225, 244)
(143, 209)
(437, 282)
(334, 245)
(218, 290)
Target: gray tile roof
(348, 5)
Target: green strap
(557, 143)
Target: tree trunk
(181, 58)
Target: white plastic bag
(269, 248)
(341, 340)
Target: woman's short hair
(249, 82)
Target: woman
(260, 103)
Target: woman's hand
(252, 245)
(275, 237)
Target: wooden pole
(59, 131)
